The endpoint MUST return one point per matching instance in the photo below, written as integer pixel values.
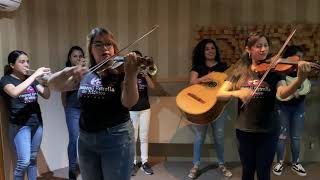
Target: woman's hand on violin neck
(131, 65)
(303, 70)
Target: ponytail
(7, 69)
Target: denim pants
(256, 151)
(72, 120)
(107, 154)
(26, 141)
(218, 136)
(141, 122)
(291, 123)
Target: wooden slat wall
(46, 29)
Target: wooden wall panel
(123, 26)
(184, 30)
(47, 29)
(163, 33)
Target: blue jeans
(26, 141)
(218, 136)
(72, 119)
(107, 154)
(291, 123)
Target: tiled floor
(179, 170)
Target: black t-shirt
(100, 102)
(143, 102)
(258, 115)
(23, 110)
(204, 70)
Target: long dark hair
(12, 58)
(244, 71)
(73, 48)
(95, 32)
(198, 56)
(292, 50)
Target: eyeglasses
(101, 45)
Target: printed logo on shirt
(94, 89)
(261, 91)
(141, 84)
(29, 95)
(95, 81)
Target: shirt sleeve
(4, 81)
(36, 83)
(195, 68)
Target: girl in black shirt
(71, 106)
(206, 59)
(256, 128)
(20, 92)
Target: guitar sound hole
(212, 84)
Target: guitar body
(199, 102)
(303, 90)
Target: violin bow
(97, 66)
(274, 62)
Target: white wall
(55, 134)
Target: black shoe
(134, 170)
(72, 175)
(147, 168)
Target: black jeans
(256, 151)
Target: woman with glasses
(106, 140)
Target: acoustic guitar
(197, 101)
(303, 90)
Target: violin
(115, 66)
(283, 65)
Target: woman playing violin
(106, 140)
(291, 116)
(257, 129)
